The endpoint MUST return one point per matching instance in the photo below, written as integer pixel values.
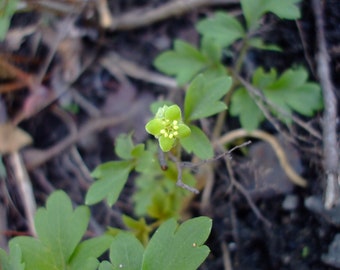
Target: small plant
(281, 94)
(155, 240)
(172, 246)
(58, 244)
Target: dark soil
(296, 235)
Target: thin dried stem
(25, 189)
(143, 17)
(330, 146)
(241, 133)
(245, 193)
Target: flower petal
(160, 111)
(166, 143)
(154, 126)
(173, 113)
(183, 131)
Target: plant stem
(238, 66)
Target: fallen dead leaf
(12, 138)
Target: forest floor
(96, 64)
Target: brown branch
(330, 148)
(143, 17)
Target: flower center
(170, 129)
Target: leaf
(259, 44)
(254, 9)
(7, 8)
(203, 97)
(243, 106)
(12, 261)
(263, 79)
(3, 172)
(221, 28)
(111, 178)
(291, 91)
(139, 228)
(198, 143)
(288, 92)
(87, 251)
(126, 252)
(184, 62)
(283, 9)
(306, 99)
(105, 265)
(161, 207)
(178, 247)
(12, 138)
(212, 50)
(124, 146)
(35, 255)
(59, 229)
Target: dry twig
(330, 147)
(241, 133)
(142, 17)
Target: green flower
(168, 127)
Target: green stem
(238, 66)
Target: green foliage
(253, 10)
(221, 28)
(198, 143)
(289, 92)
(203, 97)
(172, 246)
(156, 194)
(126, 252)
(243, 106)
(3, 172)
(185, 61)
(111, 178)
(139, 228)
(7, 9)
(58, 246)
(13, 260)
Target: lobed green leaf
(289, 92)
(254, 9)
(184, 62)
(111, 178)
(243, 106)
(124, 146)
(221, 28)
(176, 246)
(87, 251)
(203, 97)
(126, 252)
(59, 231)
(198, 143)
(7, 9)
(12, 261)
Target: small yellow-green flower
(168, 127)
